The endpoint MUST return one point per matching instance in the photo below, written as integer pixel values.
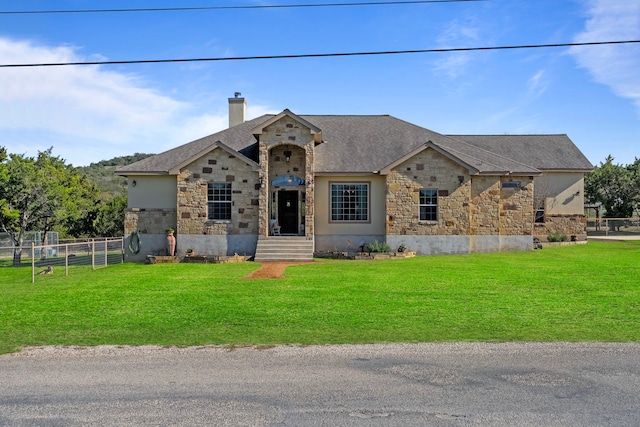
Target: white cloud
(456, 34)
(613, 65)
(538, 84)
(107, 113)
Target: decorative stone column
(263, 194)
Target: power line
(319, 55)
(283, 6)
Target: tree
(36, 193)
(110, 219)
(615, 187)
(634, 168)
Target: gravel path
(272, 270)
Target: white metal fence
(89, 253)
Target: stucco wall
(152, 191)
(563, 191)
(563, 195)
(376, 223)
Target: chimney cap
(237, 94)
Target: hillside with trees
(103, 173)
(44, 193)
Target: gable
(429, 153)
(218, 157)
(287, 129)
(216, 146)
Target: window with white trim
(219, 200)
(428, 204)
(350, 202)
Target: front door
(288, 211)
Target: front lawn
(576, 293)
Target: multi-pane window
(350, 202)
(219, 200)
(428, 204)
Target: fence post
(106, 263)
(66, 259)
(33, 263)
(93, 254)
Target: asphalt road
(510, 384)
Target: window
(219, 200)
(350, 202)
(428, 204)
(539, 218)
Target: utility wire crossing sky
(160, 77)
(318, 55)
(273, 6)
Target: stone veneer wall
(217, 166)
(149, 221)
(569, 225)
(475, 214)
(485, 206)
(429, 169)
(516, 213)
(286, 134)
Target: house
(333, 182)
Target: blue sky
(91, 113)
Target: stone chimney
(237, 110)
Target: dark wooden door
(288, 211)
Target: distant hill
(102, 173)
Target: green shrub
(557, 237)
(376, 246)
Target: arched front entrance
(287, 204)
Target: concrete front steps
(284, 248)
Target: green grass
(575, 293)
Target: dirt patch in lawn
(272, 270)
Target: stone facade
(573, 226)
(149, 221)
(485, 206)
(286, 148)
(483, 212)
(428, 170)
(516, 206)
(217, 166)
(478, 205)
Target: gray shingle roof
(357, 144)
(545, 152)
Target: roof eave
(140, 173)
(567, 170)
